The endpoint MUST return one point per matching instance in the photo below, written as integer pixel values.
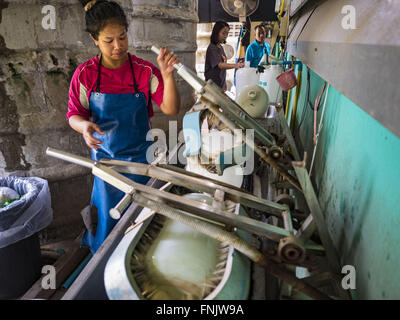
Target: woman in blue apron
(109, 107)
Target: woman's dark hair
(216, 29)
(101, 12)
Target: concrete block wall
(36, 66)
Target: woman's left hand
(166, 60)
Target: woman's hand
(166, 60)
(239, 65)
(226, 66)
(86, 129)
(171, 99)
(87, 132)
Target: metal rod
(252, 145)
(115, 179)
(286, 62)
(307, 229)
(70, 157)
(319, 220)
(117, 211)
(199, 183)
(318, 217)
(188, 75)
(287, 221)
(288, 134)
(208, 212)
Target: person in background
(110, 104)
(216, 62)
(258, 48)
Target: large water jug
(254, 100)
(246, 76)
(267, 80)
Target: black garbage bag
(28, 215)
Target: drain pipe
(233, 240)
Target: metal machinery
(291, 222)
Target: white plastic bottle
(267, 80)
(246, 76)
(254, 100)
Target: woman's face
(113, 42)
(223, 34)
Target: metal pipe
(289, 137)
(70, 157)
(117, 211)
(252, 145)
(187, 74)
(286, 62)
(287, 221)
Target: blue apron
(124, 119)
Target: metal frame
(316, 222)
(143, 195)
(171, 204)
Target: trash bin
(20, 222)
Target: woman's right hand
(87, 132)
(239, 65)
